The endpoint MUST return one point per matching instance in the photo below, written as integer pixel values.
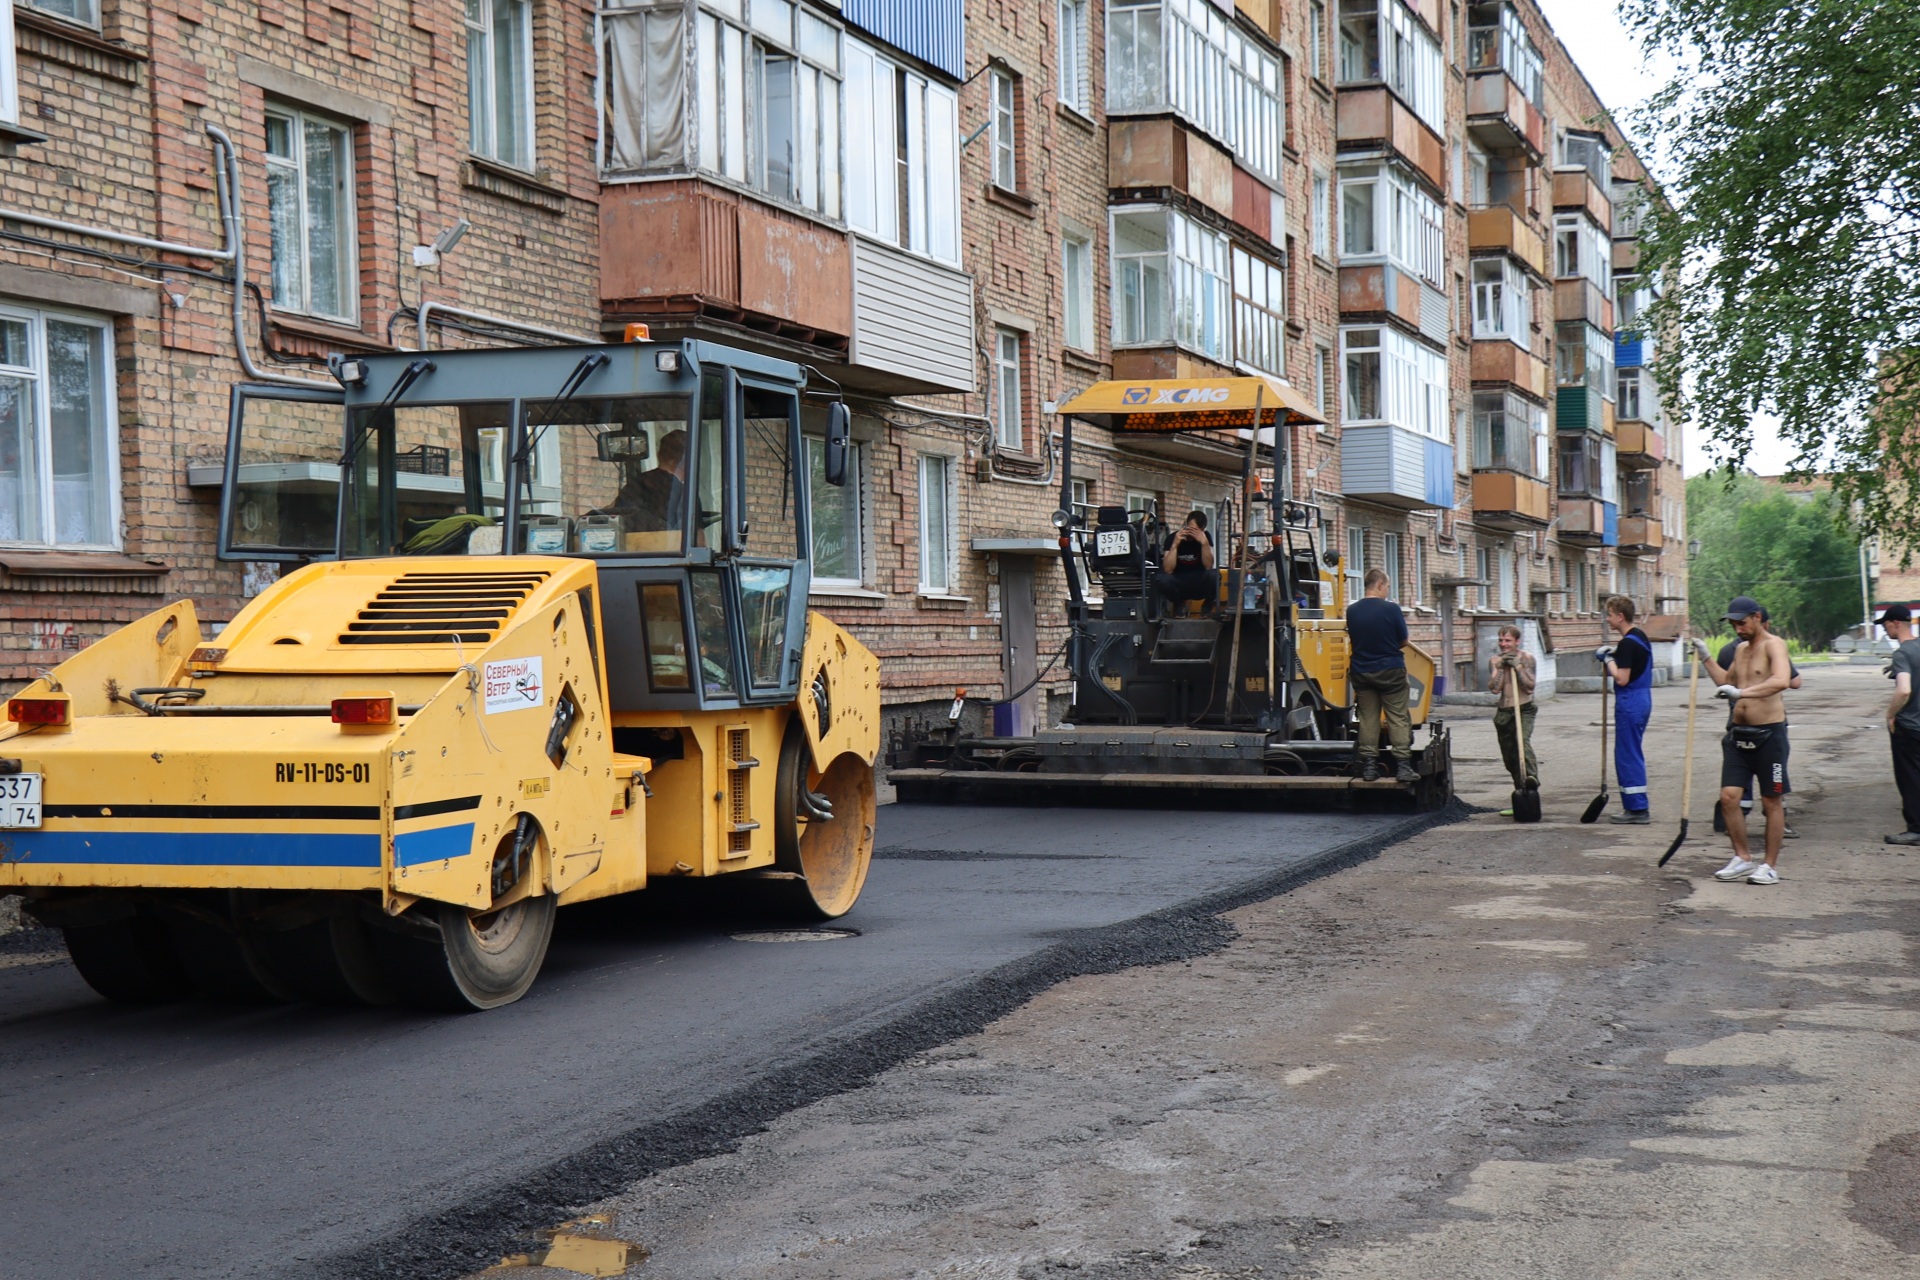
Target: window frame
(1209, 74)
(1077, 315)
(1317, 40)
(1259, 327)
(105, 425)
(1586, 242)
(923, 166)
(1356, 566)
(1186, 277)
(1412, 387)
(90, 20)
(936, 470)
(1322, 219)
(1518, 420)
(483, 129)
(1390, 561)
(1009, 388)
(1404, 57)
(1502, 301)
(1004, 135)
(9, 68)
(1072, 66)
(1406, 224)
(856, 474)
(347, 267)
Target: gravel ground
(1491, 1051)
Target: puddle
(796, 935)
(581, 1246)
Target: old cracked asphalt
(1493, 1051)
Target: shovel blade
(1594, 808)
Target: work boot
(1369, 770)
(1905, 837)
(1632, 818)
(1404, 772)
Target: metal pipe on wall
(227, 187)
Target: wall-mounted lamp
(429, 255)
(1693, 549)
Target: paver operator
(1756, 744)
(1186, 570)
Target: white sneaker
(1764, 874)
(1737, 869)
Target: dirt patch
(1886, 1194)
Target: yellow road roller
(537, 634)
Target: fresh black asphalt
(210, 1141)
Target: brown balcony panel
(1380, 290)
(1582, 521)
(1144, 364)
(1373, 115)
(1581, 299)
(1641, 535)
(665, 242)
(1576, 189)
(1163, 154)
(1501, 228)
(1640, 447)
(1504, 500)
(1501, 361)
(1626, 257)
(1500, 116)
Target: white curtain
(645, 88)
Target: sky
(1623, 77)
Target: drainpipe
(227, 183)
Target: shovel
(1526, 800)
(1686, 780)
(1599, 802)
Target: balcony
(1641, 536)
(1582, 409)
(1640, 447)
(1576, 189)
(1384, 289)
(1626, 257)
(1502, 228)
(1371, 116)
(1589, 522)
(1500, 117)
(1396, 467)
(1510, 501)
(1164, 155)
(1632, 349)
(912, 322)
(1500, 361)
(1581, 299)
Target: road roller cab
(538, 635)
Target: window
(1076, 282)
(936, 524)
(1629, 395)
(1582, 150)
(1479, 178)
(82, 11)
(1632, 296)
(1317, 39)
(1322, 216)
(1006, 155)
(839, 539)
(1187, 58)
(1072, 51)
(1259, 325)
(1484, 567)
(1382, 211)
(1393, 378)
(1506, 578)
(9, 73)
(1356, 561)
(1419, 585)
(1082, 494)
(1322, 361)
(1508, 433)
(1580, 465)
(1390, 562)
(310, 213)
(500, 80)
(1381, 41)
(903, 156)
(1502, 301)
(1497, 39)
(1583, 357)
(59, 472)
(1147, 500)
(1638, 496)
(1582, 250)
(1170, 282)
(1008, 428)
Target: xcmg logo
(1175, 395)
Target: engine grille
(441, 608)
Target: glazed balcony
(1501, 118)
(1393, 466)
(1583, 409)
(1576, 189)
(1382, 289)
(1500, 361)
(1510, 501)
(1589, 522)
(1502, 228)
(1370, 116)
(1640, 446)
(1641, 536)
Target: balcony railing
(1396, 467)
(1509, 500)
(1589, 522)
(1371, 115)
(1501, 118)
(1641, 536)
(1641, 448)
(1500, 227)
(1576, 189)
(1498, 360)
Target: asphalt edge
(475, 1234)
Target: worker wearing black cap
(1756, 744)
(1903, 719)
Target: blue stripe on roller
(412, 848)
(192, 848)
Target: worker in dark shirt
(1376, 630)
(1629, 663)
(1903, 719)
(1186, 570)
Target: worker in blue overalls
(1630, 664)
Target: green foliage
(1791, 252)
(1789, 552)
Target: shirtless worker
(1756, 743)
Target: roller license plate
(1111, 542)
(19, 800)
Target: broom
(1686, 782)
(1599, 802)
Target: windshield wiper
(575, 380)
(414, 371)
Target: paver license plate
(20, 800)
(1111, 542)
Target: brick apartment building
(1416, 211)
